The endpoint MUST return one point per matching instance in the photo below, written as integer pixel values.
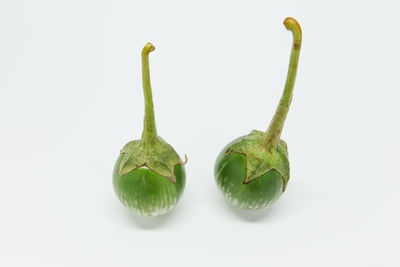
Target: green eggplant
(253, 170)
(149, 176)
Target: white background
(71, 97)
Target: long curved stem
(149, 129)
(273, 134)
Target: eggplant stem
(273, 134)
(149, 129)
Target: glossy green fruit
(253, 170)
(147, 193)
(229, 174)
(149, 176)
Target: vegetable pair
(251, 171)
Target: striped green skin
(230, 172)
(147, 193)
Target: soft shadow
(148, 223)
(251, 215)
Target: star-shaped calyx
(159, 157)
(259, 159)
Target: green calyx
(266, 151)
(259, 160)
(159, 157)
(151, 151)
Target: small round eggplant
(253, 170)
(149, 176)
